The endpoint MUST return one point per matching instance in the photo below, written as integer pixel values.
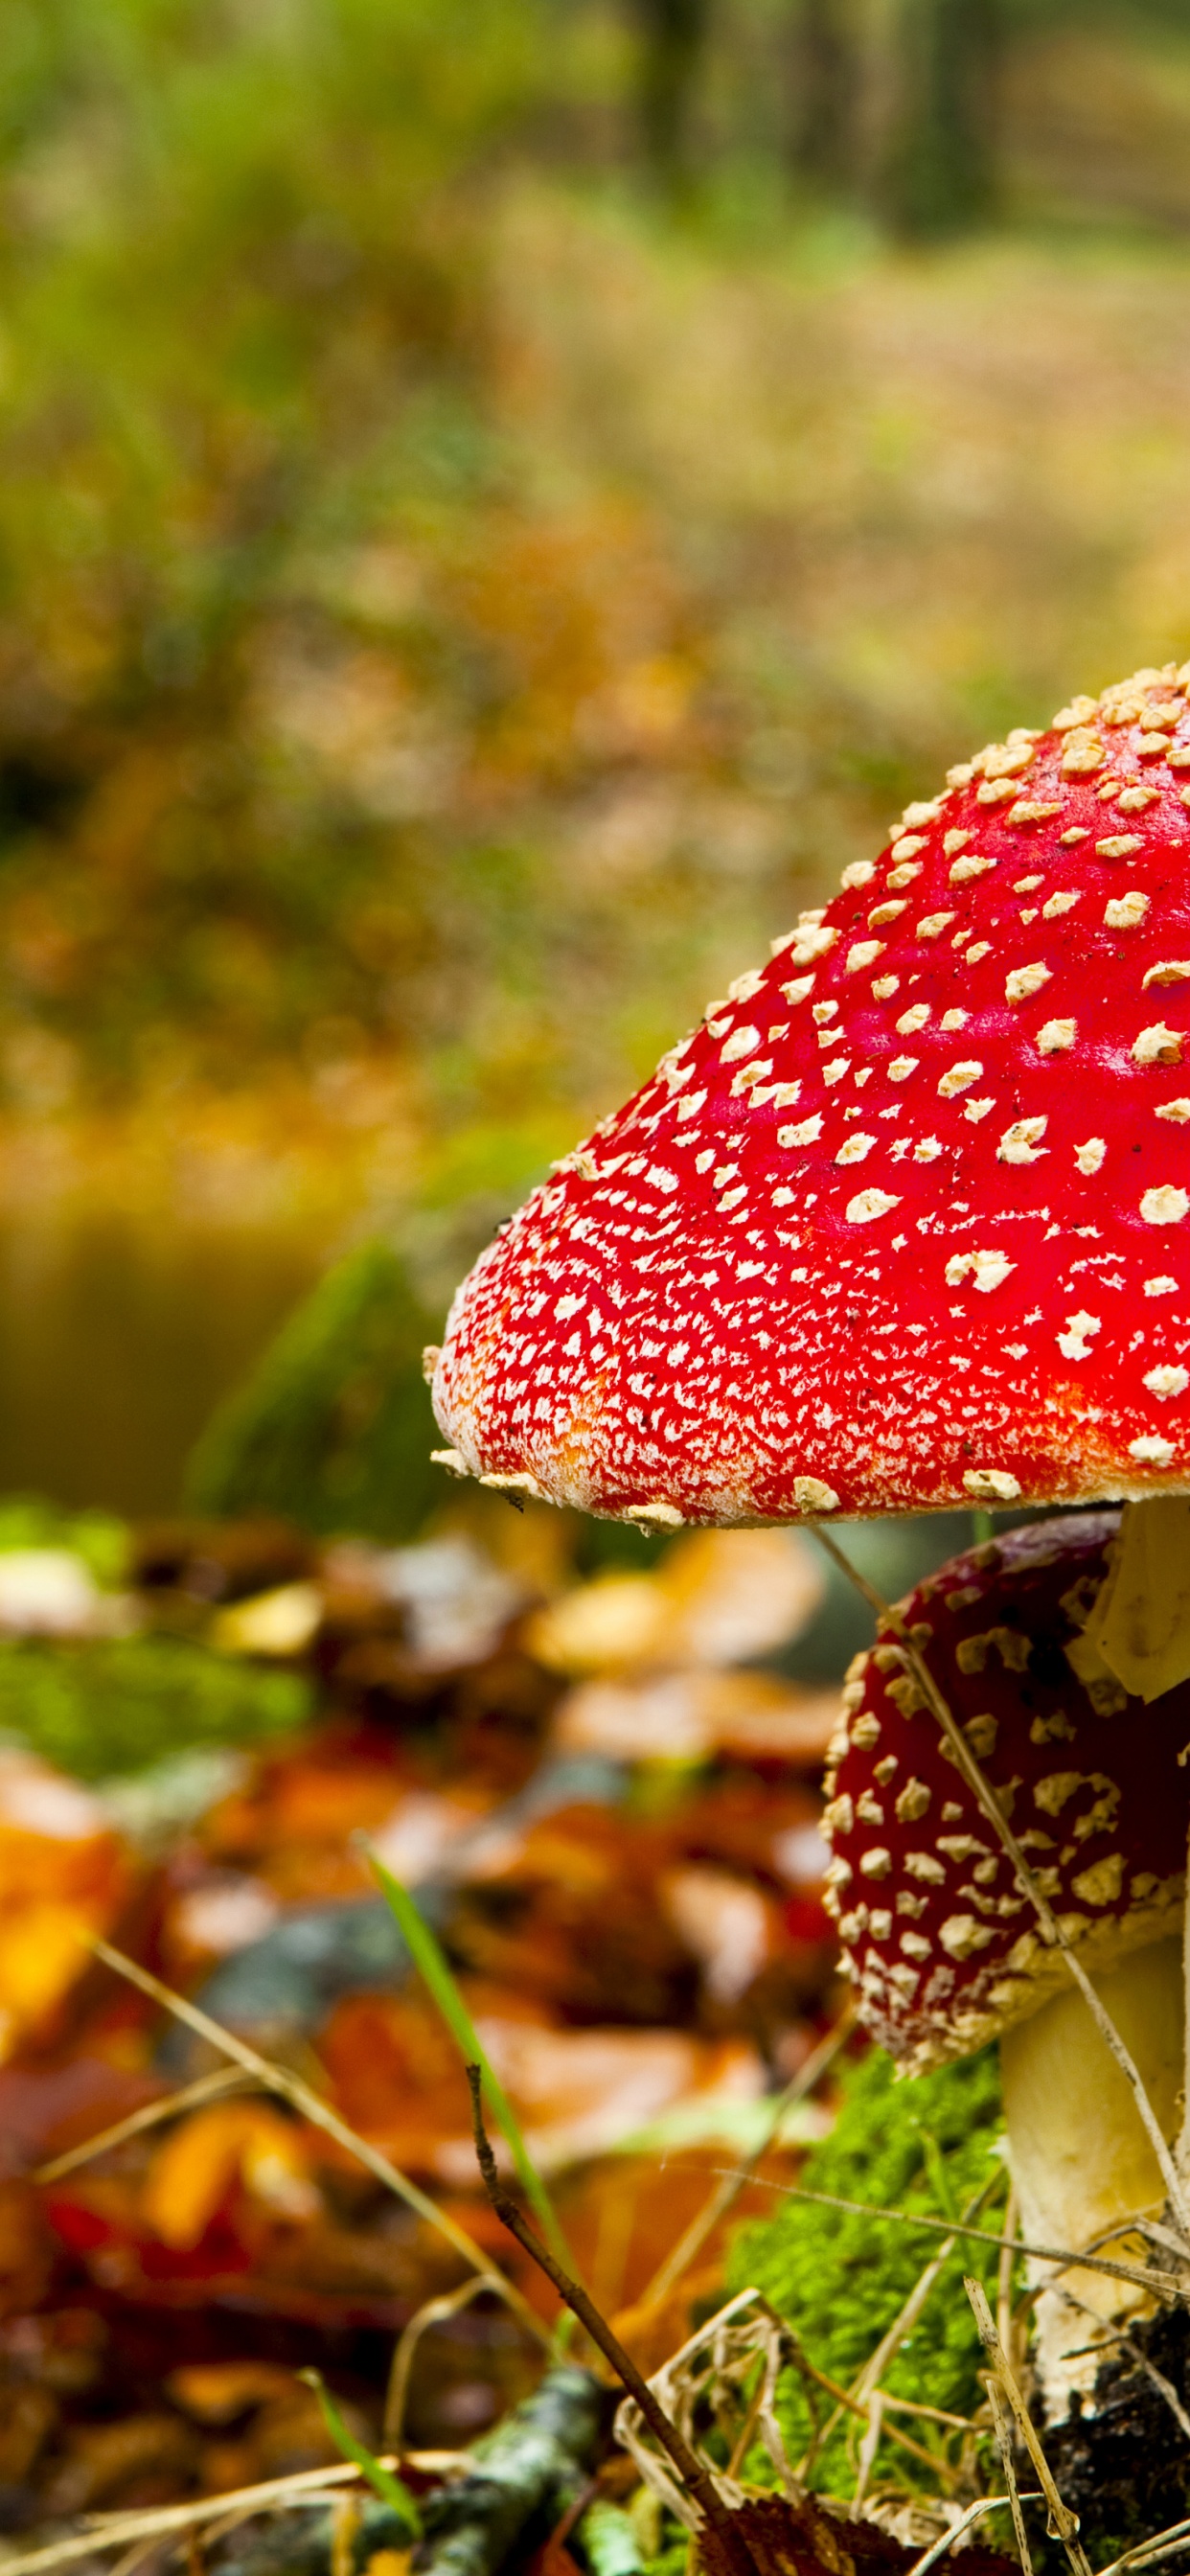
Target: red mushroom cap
(903, 1224)
(943, 1945)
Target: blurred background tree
(497, 504)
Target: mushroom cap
(943, 1946)
(906, 1222)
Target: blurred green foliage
(125, 1703)
(841, 2278)
(334, 1428)
(103, 1542)
(243, 313)
(358, 708)
(456, 605)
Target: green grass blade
(429, 1958)
(388, 2488)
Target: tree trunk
(825, 77)
(672, 39)
(941, 168)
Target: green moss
(840, 2278)
(673, 2560)
(124, 1703)
(334, 1429)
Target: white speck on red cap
(667, 1391)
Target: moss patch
(120, 1705)
(840, 2278)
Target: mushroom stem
(1080, 2157)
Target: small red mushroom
(941, 1939)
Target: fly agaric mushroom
(862, 1243)
(939, 1935)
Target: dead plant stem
(1169, 2285)
(1004, 2325)
(906, 2318)
(697, 2479)
(1002, 2428)
(433, 2312)
(1063, 2523)
(191, 2097)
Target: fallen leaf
(214, 2152)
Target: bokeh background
(497, 503)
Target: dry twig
(191, 2097)
(1004, 2319)
(694, 2477)
(1169, 2285)
(868, 2379)
(1145, 2553)
(938, 2548)
(1002, 2428)
(433, 2312)
(1063, 2524)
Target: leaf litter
(236, 2127)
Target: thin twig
(345, 2520)
(278, 2079)
(694, 2477)
(846, 2403)
(1063, 2523)
(207, 2088)
(1012, 2220)
(903, 2323)
(1170, 2285)
(1052, 1931)
(433, 2312)
(1144, 2552)
(933, 2414)
(1002, 2428)
(938, 2548)
(868, 2449)
(140, 2552)
(728, 2189)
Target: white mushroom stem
(1139, 1629)
(1079, 2155)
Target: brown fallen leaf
(803, 2539)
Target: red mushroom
(904, 1223)
(938, 1933)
